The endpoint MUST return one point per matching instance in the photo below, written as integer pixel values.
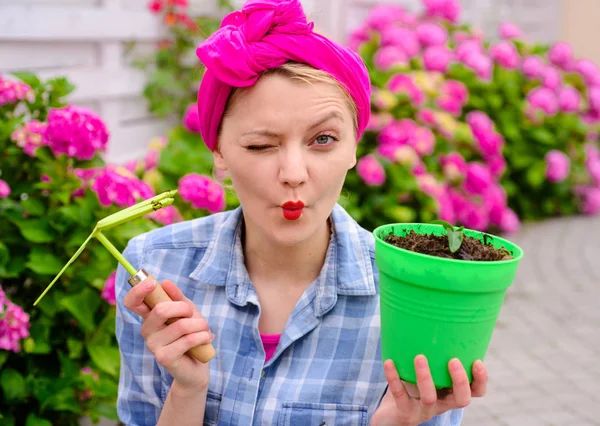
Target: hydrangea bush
(59, 361)
(480, 132)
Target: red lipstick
(292, 210)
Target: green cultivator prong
(202, 353)
(130, 213)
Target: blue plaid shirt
(327, 368)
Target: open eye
(324, 140)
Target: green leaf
(455, 239)
(13, 385)
(36, 230)
(543, 136)
(34, 206)
(4, 254)
(3, 357)
(75, 347)
(28, 78)
(536, 175)
(83, 306)
(447, 225)
(106, 358)
(7, 420)
(44, 262)
(33, 420)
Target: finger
(426, 387)
(134, 299)
(480, 379)
(460, 383)
(179, 329)
(401, 398)
(162, 312)
(176, 294)
(169, 356)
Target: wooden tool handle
(202, 353)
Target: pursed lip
(293, 205)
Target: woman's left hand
(398, 409)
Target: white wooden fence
(86, 41)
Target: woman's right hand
(170, 342)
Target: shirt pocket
(213, 406)
(316, 414)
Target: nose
(292, 167)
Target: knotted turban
(266, 34)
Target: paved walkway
(544, 358)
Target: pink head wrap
(266, 34)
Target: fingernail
(212, 336)
(150, 284)
(421, 361)
(478, 366)
(455, 365)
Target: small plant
(455, 234)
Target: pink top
(270, 342)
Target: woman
(285, 287)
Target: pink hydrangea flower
(588, 70)
(474, 216)
(358, 36)
(445, 209)
(402, 83)
(510, 31)
(542, 98)
(370, 170)
(479, 122)
(497, 165)
(569, 99)
(382, 16)
(406, 155)
(505, 54)
(108, 293)
(590, 199)
(397, 132)
(561, 55)
(191, 119)
(389, 56)
(12, 92)
(437, 58)
(117, 185)
(557, 166)
(431, 34)
(454, 166)
(4, 189)
(533, 66)
(445, 9)
(478, 179)
(401, 38)
(202, 192)
(167, 215)
(481, 64)
(510, 223)
(76, 131)
(551, 78)
(423, 141)
(14, 324)
(453, 96)
(594, 98)
(427, 117)
(592, 162)
(30, 137)
(429, 185)
(378, 120)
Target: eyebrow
(269, 134)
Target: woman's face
(285, 140)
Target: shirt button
(262, 373)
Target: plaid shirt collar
(347, 269)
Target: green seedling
(138, 210)
(455, 234)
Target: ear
(353, 159)
(219, 160)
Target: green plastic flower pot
(442, 308)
